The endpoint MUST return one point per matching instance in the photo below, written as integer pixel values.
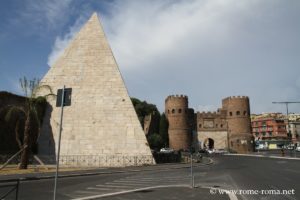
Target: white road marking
(113, 186)
(147, 181)
(85, 192)
(129, 191)
(129, 184)
(102, 188)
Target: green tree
(31, 113)
(155, 141)
(163, 129)
(142, 109)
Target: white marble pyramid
(101, 127)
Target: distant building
(269, 126)
(276, 127)
(294, 117)
(270, 129)
(293, 127)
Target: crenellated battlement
(176, 97)
(236, 97)
(209, 114)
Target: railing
(105, 161)
(15, 160)
(13, 187)
(90, 160)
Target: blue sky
(206, 49)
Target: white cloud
(61, 42)
(142, 30)
(208, 49)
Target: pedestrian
(282, 152)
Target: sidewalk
(263, 156)
(96, 171)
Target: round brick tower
(239, 123)
(176, 109)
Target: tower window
(238, 113)
(230, 113)
(173, 110)
(216, 125)
(221, 125)
(179, 110)
(200, 125)
(169, 111)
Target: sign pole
(59, 139)
(192, 175)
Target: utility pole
(287, 113)
(63, 99)
(59, 139)
(192, 173)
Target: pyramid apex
(94, 16)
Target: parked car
(298, 148)
(210, 151)
(261, 147)
(220, 151)
(166, 150)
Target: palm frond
(14, 110)
(40, 87)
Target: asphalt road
(227, 172)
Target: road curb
(33, 178)
(263, 156)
